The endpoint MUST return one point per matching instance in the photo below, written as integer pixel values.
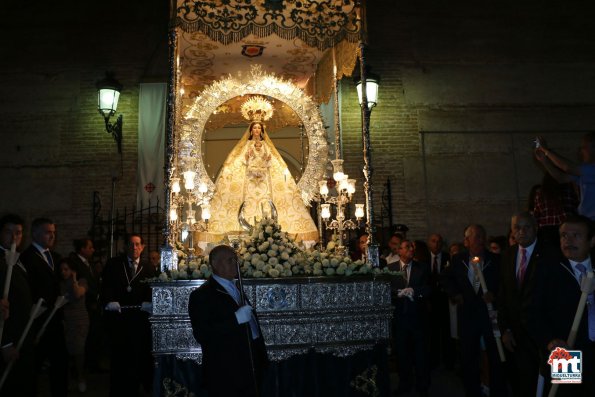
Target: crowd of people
(493, 308)
(85, 309)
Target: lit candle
(175, 185)
(173, 213)
(325, 211)
(206, 212)
(323, 187)
(189, 179)
(359, 211)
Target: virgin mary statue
(254, 183)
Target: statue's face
(256, 131)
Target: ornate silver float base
(338, 316)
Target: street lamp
(372, 82)
(108, 94)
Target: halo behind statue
(255, 82)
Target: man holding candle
(19, 303)
(42, 270)
(560, 285)
(462, 283)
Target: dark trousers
(471, 331)
(523, 366)
(18, 383)
(410, 345)
(52, 347)
(442, 346)
(95, 343)
(131, 364)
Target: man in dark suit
(461, 283)
(81, 258)
(410, 323)
(127, 306)
(19, 304)
(442, 346)
(42, 268)
(234, 355)
(516, 303)
(557, 295)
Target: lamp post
(367, 88)
(108, 94)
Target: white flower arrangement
(270, 253)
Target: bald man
(227, 329)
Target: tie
(48, 258)
(590, 302)
(435, 265)
(132, 267)
(473, 277)
(405, 270)
(522, 267)
(235, 292)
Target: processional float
(222, 55)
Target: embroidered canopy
(290, 38)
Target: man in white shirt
(394, 244)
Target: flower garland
(269, 252)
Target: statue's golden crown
(257, 108)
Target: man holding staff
(19, 305)
(226, 327)
(41, 261)
(560, 286)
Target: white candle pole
(11, 258)
(475, 262)
(60, 301)
(35, 312)
(575, 324)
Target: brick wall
(451, 73)
(464, 89)
(55, 150)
